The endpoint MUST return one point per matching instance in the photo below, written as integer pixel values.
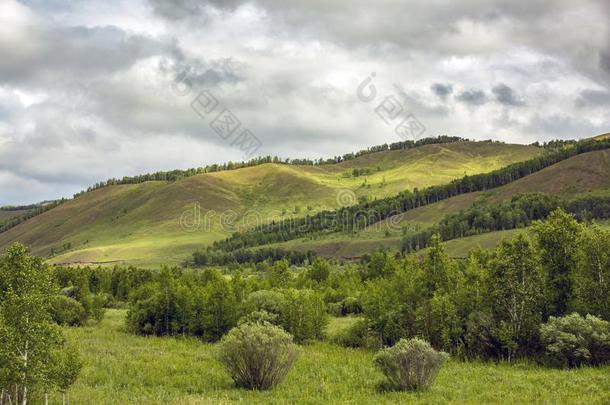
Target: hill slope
(576, 176)
(156, 222)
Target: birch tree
(516, 283)
(30, 342)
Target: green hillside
(576, 176)
(141, 223)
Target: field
(141, 223)
(122, 368)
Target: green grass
(120, 368)
(140, 223)
(337, 325)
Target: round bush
(410, 364)
(573, 340)
(68, 311)
(257, 355)
(265, 300)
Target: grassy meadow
(127, 369)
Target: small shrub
(410, 364)
(68, 311)
(257, 355)
(572, 341)
(335, 309)
(304, 315)
(349, 305)
(98, 309)
(357, 335)
(265, 300)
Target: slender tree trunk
(46, 398)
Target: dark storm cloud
(442, 90)
(506, 95)
(472, 97)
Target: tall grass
(124, 369)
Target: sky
(91, 90)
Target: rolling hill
(164, 222)
(588, 173)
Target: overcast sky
(91, 90)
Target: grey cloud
(177, 9)
(604, 61)
(562, 126)
(80, 53)
(442, 90)
(593, 98)
(506, 95)
(415, 104)
(202, 73)
(472, 97)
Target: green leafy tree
(320, 270)
(593, 281)
(439, 271)
(32, 345)
(516, 283)
(558, 238)
(380, 264)
(220, 309)
(304, 314)
(279, 274)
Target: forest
(519, 212)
